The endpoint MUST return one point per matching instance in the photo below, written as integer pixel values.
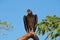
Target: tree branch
(29, 35)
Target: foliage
(5, 26)
(49, 25)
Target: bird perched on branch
(30, 21)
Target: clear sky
(14, 10)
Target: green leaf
(6, 23)
(43, 32)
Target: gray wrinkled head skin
(29, 11)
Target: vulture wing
(36, 20)
(25, 23)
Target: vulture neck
(30, 14)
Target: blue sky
(14, 10)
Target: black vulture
(30, 21)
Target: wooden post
(29, 35)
